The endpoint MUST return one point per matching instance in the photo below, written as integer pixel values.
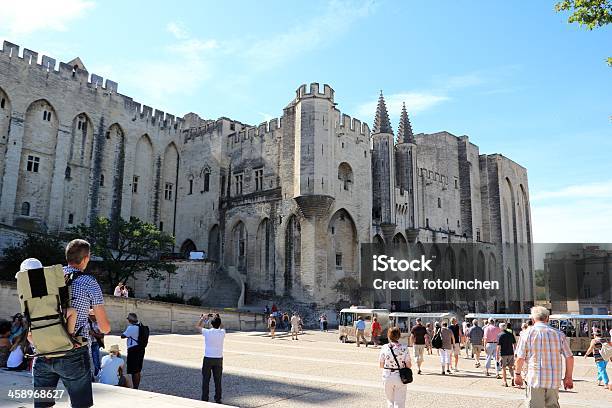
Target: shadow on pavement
(243, 391)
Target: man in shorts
(505, 352)
(135, 353)
(476, 334)
(295, 326)
(457, 334)
(418, 335)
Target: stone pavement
(104, 396)
(319, 371)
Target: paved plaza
(317, 370)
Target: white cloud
(576, 213)
(415, 102)
(592, 190)
(312, 34)
(177, 30)
(27, 16)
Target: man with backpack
(137, 336)
(72, 366)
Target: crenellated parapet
(314, 91)
(353, 125)
(80, 77)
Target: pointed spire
(381, 121)
(404, 134)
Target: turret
(404, 133)
(383, 171)
(405, 153)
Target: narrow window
(207, 181)
(2, 103)
(161, 226)
(439, 202)
(458, 224)
(168, 191)
(33, 163)
(456, 183)
(338, 260)
(68, 172)
(238, 184)
(427, 222)
(70, 219)
(477, 234)
(25, 208)
(258, 179)
(190, 186)
(48, 116)
(101, 180)
(108, 134)
(135, 184)
(44, 115)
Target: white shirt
(385, 357)
(295, 321)
(213, 342)
(109, 369)
(15, 358)
(117, 291)
(131, 332)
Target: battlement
(354, 125)
(96, 82)
(313, 92)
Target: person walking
(543, 349)
(392, 357)
(272, 325)
(430, 333)
(600, 363)
(74, 368)
(360, 326)
(467, 344)
(295, 326)
(475, 335)
(491, 333)
(213, 357)
(135, 353)
(457, 335)
(325, 322)
(376, 332)
(418, 338)
(505, 352)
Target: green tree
(48, 249)
(588, 13)
(127, 248)
(349, 288)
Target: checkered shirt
(85, 293)
(543, 347)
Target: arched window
(68, 172)
(345, 174)
(190, 185)
(25, 208)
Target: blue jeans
(602, 374)
(74, 370)
(95, 357)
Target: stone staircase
(223, 293)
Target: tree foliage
(350, 288)
(588, 13)
(48, 249)
(127, 248)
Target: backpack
(605, 351)
(437, 342)
(143, 335)
(44, 295)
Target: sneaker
(419, 372)
(443, 373)
(448, 371)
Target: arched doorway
(187, 247)
(343, 246)
(264, 255)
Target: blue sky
(518, 79)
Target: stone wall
(159, 316)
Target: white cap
(30, 263)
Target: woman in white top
(112, 369)
(395, 390)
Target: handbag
(405, 372)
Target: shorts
(507, 361)
(419, 351)
(456, 349)
(135, 357)
(477, 348)
(295, 329)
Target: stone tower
(405, 151)
(312, 183)
(383, 171)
